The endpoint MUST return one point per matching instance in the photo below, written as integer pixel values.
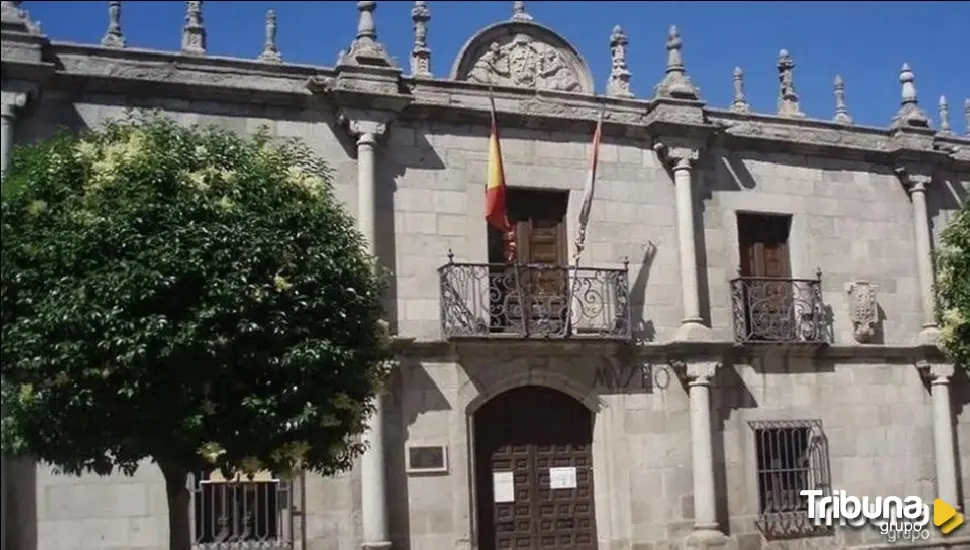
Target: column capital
(677, 154)
(936, 373)
(914, 179)
(696, 373)
(12, 101)
(360, 123)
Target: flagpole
(580, 242)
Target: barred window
(792, 457)
(242, 509)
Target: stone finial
(841, 111)
(909, 113)
(740, 103)
(787, 97)
(113, 37)
(365, 49)
(271, 52)
(945, 127)
(619, 82)
(193, 31)
(421, 53)
(676, 83)
(966, 116)
(15, 19)
(519, 13)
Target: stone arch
(545, 378)
(524, 54)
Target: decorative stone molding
(863, 309)
(523, 54)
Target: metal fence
(768, 310)
(534, 301)
(242, 513)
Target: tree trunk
(177, 491)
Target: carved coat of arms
(527, 63)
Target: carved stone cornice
(142, 73)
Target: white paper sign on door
(562, 478)
(503, 486)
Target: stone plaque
(431, 458)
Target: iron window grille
(792, 456)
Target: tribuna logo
(905, 518)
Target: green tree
(953, 288)
(187, 296)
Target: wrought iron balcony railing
(778, 311)
(533, 301)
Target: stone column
(681, 160)
(939, 376)
(924, 255)
(373, 489)
(706, 533)
(10, 103)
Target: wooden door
(525, 433)
(765, 262)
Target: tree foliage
(953, 288)
(184, 295)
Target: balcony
(534, 301)
(778, 311)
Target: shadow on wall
(393, 163)
(729, 394)
(20, 525)
(959, 400)
(410, 393)
(949, 196)
(642, 330)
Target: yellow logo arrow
(946, 517)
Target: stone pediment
(523, 54)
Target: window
(792, 456)
(241, 509)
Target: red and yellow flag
(495, 211)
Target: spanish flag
(495, 212)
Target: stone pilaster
(680, 157)
(939, 376)
(699, 377)
(11, 102)
(916, 180)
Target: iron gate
(245, 513)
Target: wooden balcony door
(538, 301)
(765, 259)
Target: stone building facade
(656, 396)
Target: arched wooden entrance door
(533, 472)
